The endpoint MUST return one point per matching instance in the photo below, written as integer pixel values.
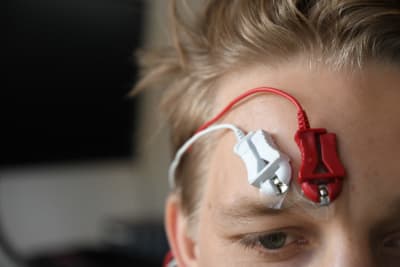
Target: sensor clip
(268, 169)
(321, 172)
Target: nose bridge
(348, 249)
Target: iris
(273, 241)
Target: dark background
(69, 66)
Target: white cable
(181, 151)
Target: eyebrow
(243, 209)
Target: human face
(360, 229)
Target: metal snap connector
(323, 195)
(278, 186)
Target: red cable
(168, 258)
(301, 114)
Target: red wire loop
(301, 114)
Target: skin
(359, 229)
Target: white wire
(181, 151)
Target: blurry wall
(53, 206)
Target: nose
(356, 256)
(347, 250)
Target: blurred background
(83, 167)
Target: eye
(276, 246)
(393, 242)
(273, 241)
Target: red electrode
(321, 172)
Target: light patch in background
(52, 207)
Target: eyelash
(292, 245)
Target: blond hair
(232, 33)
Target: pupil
(273, 241)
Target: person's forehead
(360, 107)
